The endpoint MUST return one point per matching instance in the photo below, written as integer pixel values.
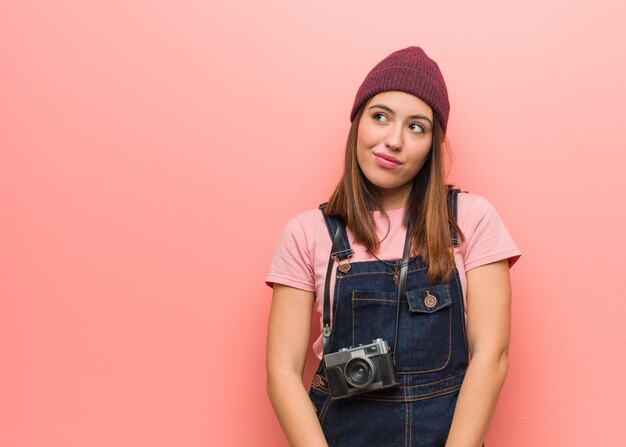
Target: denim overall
(431, 351)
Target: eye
(380, 117)
(416, 128)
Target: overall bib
(431, 351)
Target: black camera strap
(326, 328)
(404, 267)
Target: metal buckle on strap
(326, 331)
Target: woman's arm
(488, 329)
(287, 343)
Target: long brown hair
(426, 211)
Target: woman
(451, 305)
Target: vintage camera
(350, 371)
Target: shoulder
(473, 203)
(302, 249)
(307, 222)
(306, 228)
(473, 208)
(486, 236)
(308, 218)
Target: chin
(388, 184)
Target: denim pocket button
(430, 300)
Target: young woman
(420, 277)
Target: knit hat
(411, 71)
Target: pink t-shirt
(301, 257)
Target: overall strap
(340, 251)
(326, 328)
(343, 249)
(452, 198)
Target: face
(393, 141)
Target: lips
(387, 161)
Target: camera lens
(359, 372)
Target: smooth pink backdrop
(151, 152)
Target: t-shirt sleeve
(292, 263)
(486, 237)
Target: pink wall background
(151, 152)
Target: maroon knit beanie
(411, 71)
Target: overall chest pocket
(425, 326)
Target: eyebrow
(412, 117)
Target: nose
(393, 138)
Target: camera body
(351, 371)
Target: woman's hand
(488, 333)
(287, 344)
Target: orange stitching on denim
(335, 306)
(406, 424)
(437, 381)
(321, 412)
(406, 414)
(353, 329)
(325, 405)
(399, 399)
(375, 299)
(325, 408)
(442, 393)
(410, 424)
(463, 310)
(404, 387)
(385, 272)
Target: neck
(394, 198)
